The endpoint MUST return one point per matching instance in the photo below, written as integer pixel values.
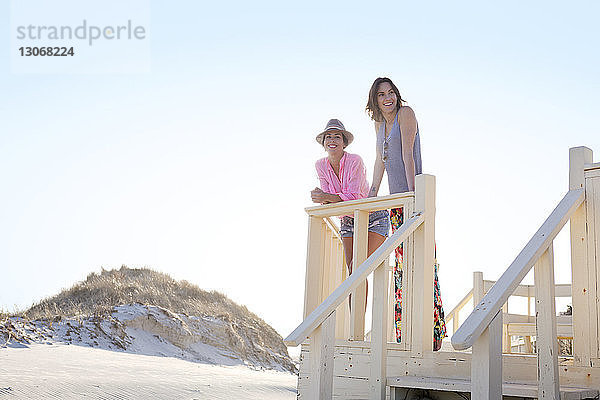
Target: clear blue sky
(202, 166)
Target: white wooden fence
(513, 324)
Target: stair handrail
(323, 310)
(484, 312)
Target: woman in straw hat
(343, 177)
(398, 152)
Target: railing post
(545, 327)
(377, 379)
(455, 321)
(342, 330)
(478, 289)
(314, 264)
(321, 355)
(506, 348)
(328, 271)
(359, 296)
(583, 331)
(408, 269)
(391, 327)
(486, 363)
(424, 259)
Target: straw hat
(332, 126)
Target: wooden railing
(513, 324)
(321, 322)
(482, 330)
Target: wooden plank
(505, 335)
(461, 304)
(391, 303)
(562, 330)
(454, 314)
(315, 346)
(510, 279)
(478, 288)
(463, 385)
(524, 319)
(322, 348)
(342, 311)
(353, 361)
(377, 379)
(424, 259)
(578, 157)
(591, 167)
(487, 285)
(331, 224)
(326, 362)
(560, 289)
(528, 345)
(328, 273)
(545, 313)
(314, 257)
(366, 204)
(455, 322)
(315, 318)
(408, 289)
(593, 249)
(486, 365)
(359, 255)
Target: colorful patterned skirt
(439, 324)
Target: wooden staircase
(337, 363)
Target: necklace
(386, 140)
(387, 136)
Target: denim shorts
(379, 222)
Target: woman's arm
(408, 127)
(378, 168)
(319, 196)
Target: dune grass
(99, 292)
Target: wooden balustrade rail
(526, 291)
(323, 310)
(493, 301)
(368, 204)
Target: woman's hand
(319, 196)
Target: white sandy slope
(60, 371)
(154, 331)
(139, 352)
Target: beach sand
(58, 371)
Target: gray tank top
(394, 165)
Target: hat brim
(349, 136)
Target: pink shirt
(352, 183)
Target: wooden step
(461, 385)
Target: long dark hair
(372, 107)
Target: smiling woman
(399, 153)
(343, 177)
